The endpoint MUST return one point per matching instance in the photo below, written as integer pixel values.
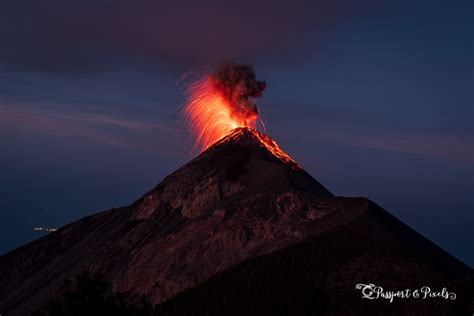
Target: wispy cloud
(107, 129)
(451, 147)
(441, 146)
(139, 134)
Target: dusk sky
(372, 98)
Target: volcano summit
(244, 226)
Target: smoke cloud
(239, 86)
(221, 101)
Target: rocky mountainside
(318, 276)
(241, 199)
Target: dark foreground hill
(246, 213)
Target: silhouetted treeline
(90, 295)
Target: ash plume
(220, 101)
(238, 84)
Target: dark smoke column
(238, 84)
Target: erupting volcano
(241, 229)
(221, 101)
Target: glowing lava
(270, 146)
(210, 116)
(220, 107)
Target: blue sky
(372, 99)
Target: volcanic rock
(240, 199)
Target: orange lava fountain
(210, 116)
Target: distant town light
(49, 230)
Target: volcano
(237, 219)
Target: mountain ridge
(241, 198)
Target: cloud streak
(105, 129)
(140, 134)
(455, 147)
(443, 146)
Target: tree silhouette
(90, 295)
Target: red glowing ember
(221, 101)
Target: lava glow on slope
(263, 141)
(210, 116)
(274, 149)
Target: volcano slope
(318, 276)
(240, 200)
